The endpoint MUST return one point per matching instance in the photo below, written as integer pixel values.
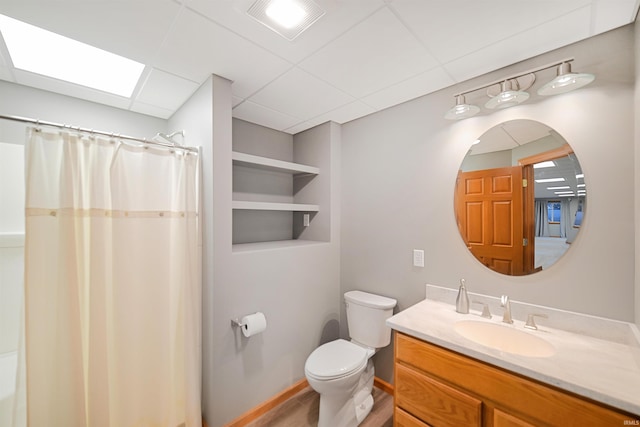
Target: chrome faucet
(504, 302)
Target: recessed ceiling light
(564, 187)
(566, 195)
(581, 185)
(547, 164)
(49, 54)
(580, 175)
(550, 180)
(289, 18)
(286, 13)
(563, 192)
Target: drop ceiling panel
(134, 29)
(196, 48)
(291, 92)
(565, 30)
(368, 59)
(522, 131)
(453, 29)
(151, 110)
(165, 90)
(344, 114)
(362, 56)
(339, 17)
(427, 82)
(495, 139)
(264, 116)
(607, 15)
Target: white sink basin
(504, 338)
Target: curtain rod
(98, 132)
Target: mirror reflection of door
(519, 198)
(489, 212)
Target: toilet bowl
(342, 371)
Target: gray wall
(17, 100)
(399, 171)
(297, 288)
(196, 117)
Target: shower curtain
(112, 283)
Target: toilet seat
(335, 359)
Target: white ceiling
(362, 56)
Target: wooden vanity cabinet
(437, 387)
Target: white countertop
(596, 368)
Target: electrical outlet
(305, 220)
(418, 258)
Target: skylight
(49, 54)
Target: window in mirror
(554, 210)
(578, 219)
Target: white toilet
(342, 371)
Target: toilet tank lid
(369, 300)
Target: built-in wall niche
(278, 190)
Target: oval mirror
(520, 197)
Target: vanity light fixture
(511, 91)
(289, 18)
(462, 110)
(565, 81)
(507, 97)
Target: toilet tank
(366, 316)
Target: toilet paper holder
(251, 324)
(237, 323)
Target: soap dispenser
(462, 301)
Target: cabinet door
(403, 419)
(541, 404)
(433, 402)
(502, 419)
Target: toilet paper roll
(253, 324)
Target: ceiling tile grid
(523, 45)
(258, 114)
(165, 90)
(375, 54)
(196, 47)
(362, 56)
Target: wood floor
(302, 410)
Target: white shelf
(268, 206)
(273, 245)
(243, 159)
